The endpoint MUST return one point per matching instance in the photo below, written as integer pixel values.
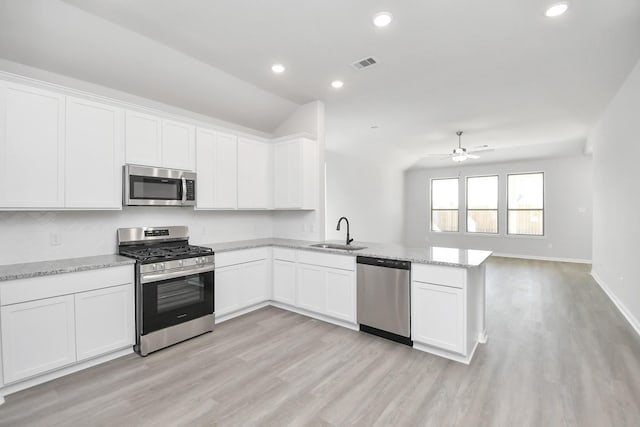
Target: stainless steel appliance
(174, 285)
(149, 186)
(384, 289)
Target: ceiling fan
(460, 154)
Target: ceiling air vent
(364, 63)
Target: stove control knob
(154, 267)
(161, 266)
(180, 263)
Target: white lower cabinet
(37, 336)
(284, 281)
(226, 296)
(242, 279)
(341, 294)
(438, 316)
(51, 322)
(255, 283)
(103, 321)
(448, 310)
(324, 289)
(312, 288)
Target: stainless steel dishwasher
(384, 289)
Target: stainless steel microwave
(149, 186)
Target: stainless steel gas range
(174, 285)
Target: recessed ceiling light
(277, 68)
(337, 84)
(556, 9)
(382, 19)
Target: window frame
(431, 210)
(497, 209)
(543, 210)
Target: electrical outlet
(312, 228)
(55, 239)
(550, 245)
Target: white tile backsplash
(26, 236)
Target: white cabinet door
(254, 283)
(254, 184)
(227, 297)
(143, 139)
(312, 288)
(37, 336)
(178, 145)
(31, 147)
(104, 321)
(205, 168)
(341, 294)
(295, 172)
(437, 316)
(217, 168)
(94, 155)
(284, 281)
(225, 162)
(287, 172)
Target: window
(482, 204)
(525, 204)
(444, 204)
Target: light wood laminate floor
(559, 353)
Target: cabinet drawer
(439, 275)
(284, 254)
(21, 290)
(224, 259)
(343, 262)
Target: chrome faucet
(338, 228)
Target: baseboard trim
(240, 312)
(544, 258)
(635, 324)
(302, 311)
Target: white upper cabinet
(254, 183)
(217, 169)
(152, 141)
(31, 147)
(95, 143)
(295, 174)
(143, 139)
(178, 145)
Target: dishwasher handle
(383, 262)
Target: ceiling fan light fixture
(556, 9)
(459, 157)
(382, 19)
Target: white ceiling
(497, 69)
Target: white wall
(368, 190)
(567, 193)
(616, 198)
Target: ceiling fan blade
(484, 148)
(472, 156)
(437, 156)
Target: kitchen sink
(338, 246)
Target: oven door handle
(184, 190)
(157, 277)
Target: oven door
(176, 300)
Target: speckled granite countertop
(59, 266)
(453, 257)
